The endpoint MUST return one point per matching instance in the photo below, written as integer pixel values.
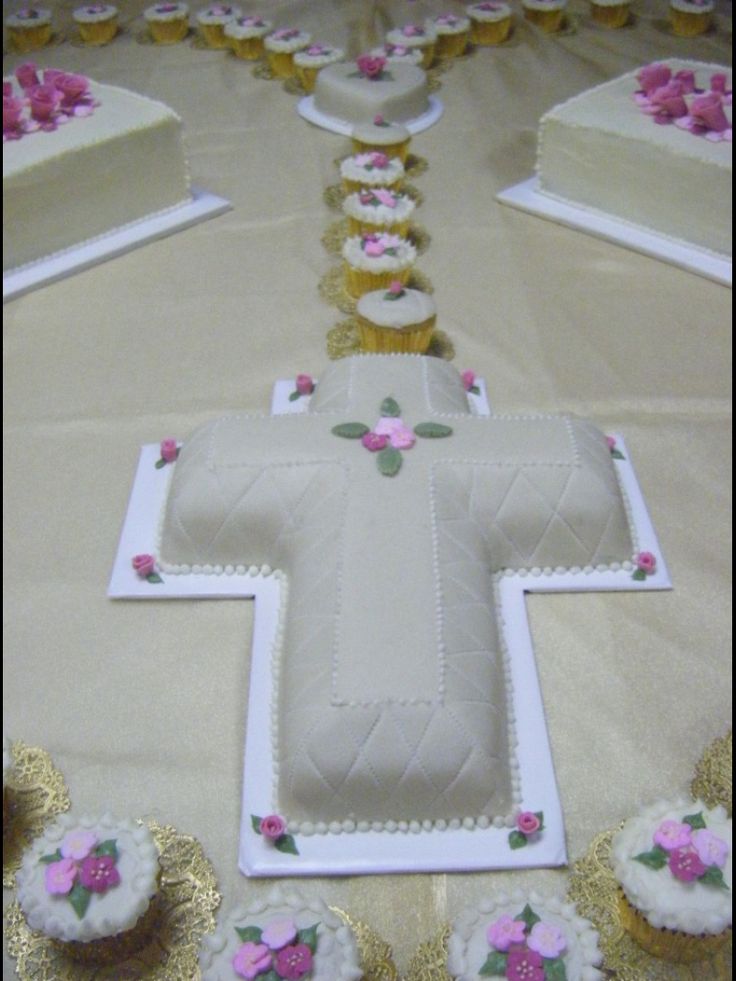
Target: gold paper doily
(263, 71)
(334, 195)
(187, 899)
(336, 233)
(713, 780)
(332, 288)
(594, 890)
(430, 961)
(376, 956)
(35, 793)
(293, 86)
(343, 341)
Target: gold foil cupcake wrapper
(669, 945)
(612, 17)
(713, 780)
(429, 963)
(344, 340)
(263, 71)
(336, 233)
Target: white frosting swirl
(354, 254)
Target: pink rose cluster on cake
(674, 97)
(42, 103)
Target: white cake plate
(403, 850)
(527, 197)
(47, 270)
(306, 109)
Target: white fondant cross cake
(391, 510)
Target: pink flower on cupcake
(711, 849)
(251, 959)
(505, 932)
(685, 864)
(672, 834)
(378, 245)
(59, 877)
(375, 160)
(98, 873)
(524, 965)
(78, 844)
(293, 962)
(546, 939)
(279, 933)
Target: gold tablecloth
(142, 705)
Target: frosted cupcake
(420, 37)
(245, 36)
(453, 34)
(378, 210)
(397, 320)
(97, 22)
(490, 22)
(89, 882)
(523, 936)
(399, 54)
(673, 864)
(167, 22)
(374, 169)
(212, 22)
(312, 60)
(548, 15)
(380, 136)
(281, 46)
(29, 28)
(691, 17)
(283, 935)
(610, 13)
(374, 262)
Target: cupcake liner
(548, 21)
(168, 31)
(307, 77)
(400, 150)
(490, 32)
(25, 39)
(100, 32)
(451, 45)
(411, 339)
(213, 35)
(281, 63)
(428, 54)
(686, 24)
(671, 945)
(249, 48)
(360, 281)
(613, 17)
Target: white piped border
(460, 844)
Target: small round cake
(282, 935)
(29, 28)
(453, 34)
(212, 22)
(374, 169)
(420, 37)
(399, 54)
(378, 210)
(523, 936)
(97, 22)
(378, 135)
(167, 22)
(673, 864)
(490, 21)
(312, 60)
(610, 13)
(89, 882)
(547, 15)
(374, 262)
(395, 321)
(281, 46)
(689, 18)
(245, 36)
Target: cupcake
(29, 29)
(547, 15)
(453, 34)
(245, 36)
(97, 22)
(523, 936)
(167, 22)
(374, 262)
(377, 209)
(399, 54)
(281, 46)
(374, 169)
(396, 320)
(691, 17)
(420, 37)
(89, 883)
(490, 22)
(212, 22)
(308, 63)
(673, 865)
(380, 136)
(610, 13)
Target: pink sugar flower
(144, 564)
(279, 933)
(12, 113)
(397, 49)
(672, 834)
(371, 65)
(273, 827)
(707, 111)
(711, 849)
(379, 160)
(7, 90)
(412, 30)
(547, 939)
(385, 197)
(59, 877)
(374, 442)
(304, 384)
(686, 77)
(653, 77)
(50, 76)
(251, 960)
(646, 562)
(78, 844)
(285, 33)
(98, 873)
(373, 247)
(379, 120)
(402, 438)
(396, 287)
(387, 425)
(528, 823)
(468, 378)
(667, 103)
(718, 83)
(44, 102)
(169, 450)
(27, 75)
(524, 965)
(294, 962)
(505, 932)
(685, 864)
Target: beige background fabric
(142, 705)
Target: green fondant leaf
(517, 840)
(308, 936)
(432, 430)
(474, 390)
(255, 823)
(48, 859)
(79, 897)
(109, 847)
(639, 575)
(269, 976)
(696, 821)
(294, 396)
(554, 970)
(714, 877)
(389, 461)
(350, 430)
(528, 916)
(540, 815)
(249, 933)
(617, 455)
(655, 859)
(154, 578)
(287, 845)
(390, 408)
(495, 965)
(160, 463)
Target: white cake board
(306, 109)
(29, 277)
(359, 853)
(527, 197)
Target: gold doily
(593, 888)
(430, 961)
(187, 900)
(343, 341)
(334, 195)
(263, 71)
(294, 87)
(35, 793)
(376, 956)
(332, 288)
(433, 80)
(336, 233)
(713, 781)
(415, 166)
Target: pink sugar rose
(98, 873)
(294, 962)
(374, 442)
(279, 933)
(505, 932)
(707, 111)
(672, 834)
(686, 78)
(667, 103)
(718, 83)
(653, 77)
(412, 30)
(711, 849)
(524, 965)
(285, 33)
(547, 939)
(251, 960)
(78, 844)
(27, 75)
(379, 120)
(385, 197)
(12, 112)
(144, 564)
(647, 562)
(50, 76)
(273, 827)
(7, 90)
(59, 877)
(371, 65)
(402, 438)
(373, 247)
(169, 450)
(398, 49)
(468, 378)
(387, 425)
(44, 102)
(396, 287)
(73, 87)
(379, 160)
(304, 384)
(685, 864)
(610, 442)
(528, 823)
